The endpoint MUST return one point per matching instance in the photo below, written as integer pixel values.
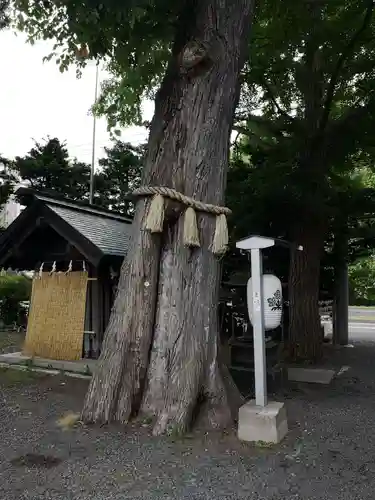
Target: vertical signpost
(260, 419)
(255, 244)
(260, 365)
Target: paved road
(362, 314)
(362, 323)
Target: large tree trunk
(160, 353)
(305, 337)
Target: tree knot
(194, 58)
(193, 53)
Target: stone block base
(267, 424)
(311, 375)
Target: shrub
(14, 289)
(362, 282)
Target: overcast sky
(36, 100)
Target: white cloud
(36, 100)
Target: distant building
(12, 208)
(10, 211)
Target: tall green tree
(47, 167)
(160, 353)
(120, 173)
(6, 182)
(362, 281)
(262, 204)
(311, 75)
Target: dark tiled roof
(111, 234)
(108, 231)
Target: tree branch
(340, 63)
(244, 130)
(234, 142)
(274, 101)
(276, 126)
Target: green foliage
(362, 282)
(312, 76)
(4, 14)
(264, 204)
(120, 174)
(259, 201)
(13, 290)
(310, 61)
(301, 52)
(6, 180)
(6, 187)
(15, 287)
(48, 167)
(304, 152)
(133, 38)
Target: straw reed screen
(57, 315)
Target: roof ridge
(79, 206)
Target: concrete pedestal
(257, 423)
(311, 375)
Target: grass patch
(264, 445)
(10, 377)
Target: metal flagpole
(94, 139)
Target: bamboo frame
(56, 318)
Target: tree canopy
(307, 109)
(133, 38)
(316, 51)
(311, 74)
(119, 174)
(49, 167)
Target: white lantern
(272, 301)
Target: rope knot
(155, 217)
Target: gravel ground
(328, 454)
(11, 341)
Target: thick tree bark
(305, 338)
(160, 352)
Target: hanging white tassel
(220, 242)
(40, 274)
(70, 267)
(53, 270)
(191, 236)
(155, 216)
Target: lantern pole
(258, 328)
(255, 245)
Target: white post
(258, 329)
(92, 171)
